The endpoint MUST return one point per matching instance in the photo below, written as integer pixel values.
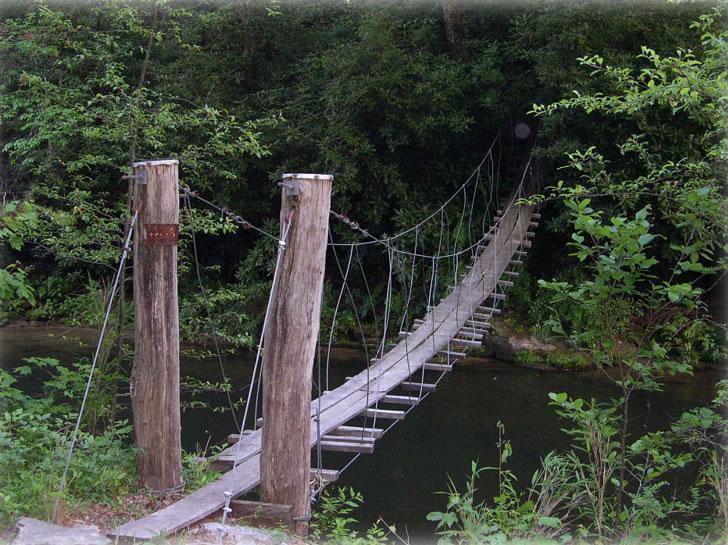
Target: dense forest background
(397, 99)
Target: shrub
(35, 435)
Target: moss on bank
(511, 342)
(561, 359)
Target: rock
(499, 348)
(505, 345)
(529, 343)
(241, 535)
(36, 532)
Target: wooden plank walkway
(432, 337)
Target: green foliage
(194, 391)
(678, 178)
(649, 222)
(634, 272)
(528, 357)
(688, 82)
(230, 322)
(16, 221)
(15, 287)
(467, 521)
(72, 302)
(35, 435)
(619, 309)
(698, 341)
(63, 387)
(196, 470)
(331, 520)
(652, 461)
(511, 516)
(77, 104)
(620, 293)
(573, 497)
(391, 102)
(333, 513)
(80, 78)
(621, 321)
(648, 227)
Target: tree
(641, 287)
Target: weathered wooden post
(290, 345)
(155, 375)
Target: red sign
(162, 234)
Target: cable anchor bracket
(140, 178)
(291, 188)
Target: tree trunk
(453, 20)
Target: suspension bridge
(465, 255)
(352, 417)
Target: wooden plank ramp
(361, 394)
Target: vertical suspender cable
(188, 209)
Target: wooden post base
(264, 513)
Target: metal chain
(187, 192)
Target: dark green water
(441, 436)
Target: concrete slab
(37, 532)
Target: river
(440, 437)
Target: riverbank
(449, 429)
(503, 348)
